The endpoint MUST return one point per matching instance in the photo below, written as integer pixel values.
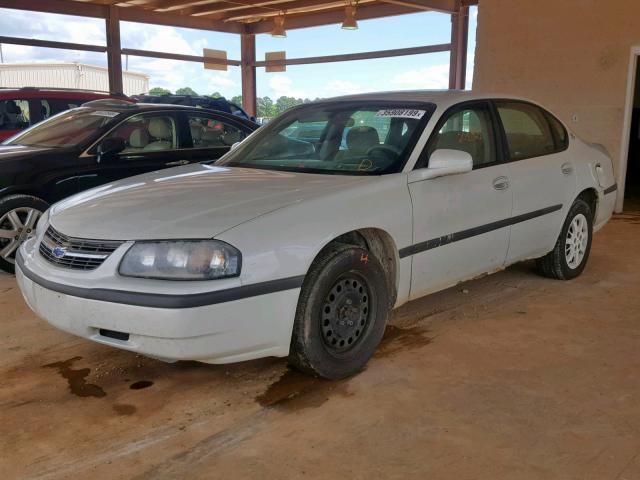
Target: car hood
(12, 152)
(196, 201)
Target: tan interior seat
(161, 131)
(138, 139)
(359, 140)
(469, 142)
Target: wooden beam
(365, 12)
(177, 56)
(133, 14)
(459, 42)
(248, 55)
(114, 56)
(128, 14)
(58, 6)
(348, 57)
(170, 5)
(31, 42)
(291, 8)
(444, 6)
(224, 6)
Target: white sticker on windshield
(104, 113)
(401, 113)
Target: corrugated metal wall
(68, 75)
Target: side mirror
(110, 147)
(444, 162)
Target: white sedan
(301, 240)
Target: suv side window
(526, 129)
(469, 129)
(207, 132)
(147, 133)
(14, 114)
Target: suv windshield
(346, 138)
(67, 129)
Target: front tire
(342, 313)
(569, 257)
(19, 215)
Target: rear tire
(342, 313)
(569, 257)
(19, 215)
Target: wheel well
(382, 246)
(590, 196)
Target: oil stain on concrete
(295, 391)
(77, 378)
(397, 340)
(139, 385)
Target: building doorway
(629, 174)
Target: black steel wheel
(345, 313)
(342, 312)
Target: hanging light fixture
(278, 27)
(350, 22)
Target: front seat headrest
(139, 138)
(159, 128)
(362, 138)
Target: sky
(303, 81)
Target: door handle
(501, 183)
(567, 168)
(177, 162)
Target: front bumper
(228, 331)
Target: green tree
(285, 103)
(186, 91)
(215, 95)
(266, 107)
(159, 91)
(237, 99)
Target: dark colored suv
(22, 107)
(98, 143)
(220, 103)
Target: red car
(22, 107)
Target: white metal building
(68, 75)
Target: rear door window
(14, 114)
(527, 130)
(58, 105)
(209, 131)
(147, 133)
(559, 132)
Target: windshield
(347, 138)
(67, 129)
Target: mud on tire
(342, 313)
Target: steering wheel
(383, 155)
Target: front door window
(147, 133)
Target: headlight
(181, 260)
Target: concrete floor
(511, 376)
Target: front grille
(75, 253)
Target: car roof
(124, 106)
(438, 97)
(69, 93)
